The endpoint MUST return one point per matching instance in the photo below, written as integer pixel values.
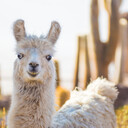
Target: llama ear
(54, 32)
(19, 30)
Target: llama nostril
(37, 64)
(32, 64)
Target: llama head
(34, 53)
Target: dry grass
(62, 95)
(122, 117)
(3, 118)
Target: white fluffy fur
(92, 108)
(33, 97)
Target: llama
(34, 79)
(32, 103)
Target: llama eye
(20, 55)
(48, 57)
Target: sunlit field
(121, 114)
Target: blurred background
(93, 42)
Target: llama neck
(34, 102)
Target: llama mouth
(33, 74)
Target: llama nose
(33, 69)
(33, 65)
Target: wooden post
(82, 67)
(122, 53)
(57, 73)
(104, 51)
(61, 93)
(87, 65)
(76, 78)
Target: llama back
(92, 108)
(103, 87)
